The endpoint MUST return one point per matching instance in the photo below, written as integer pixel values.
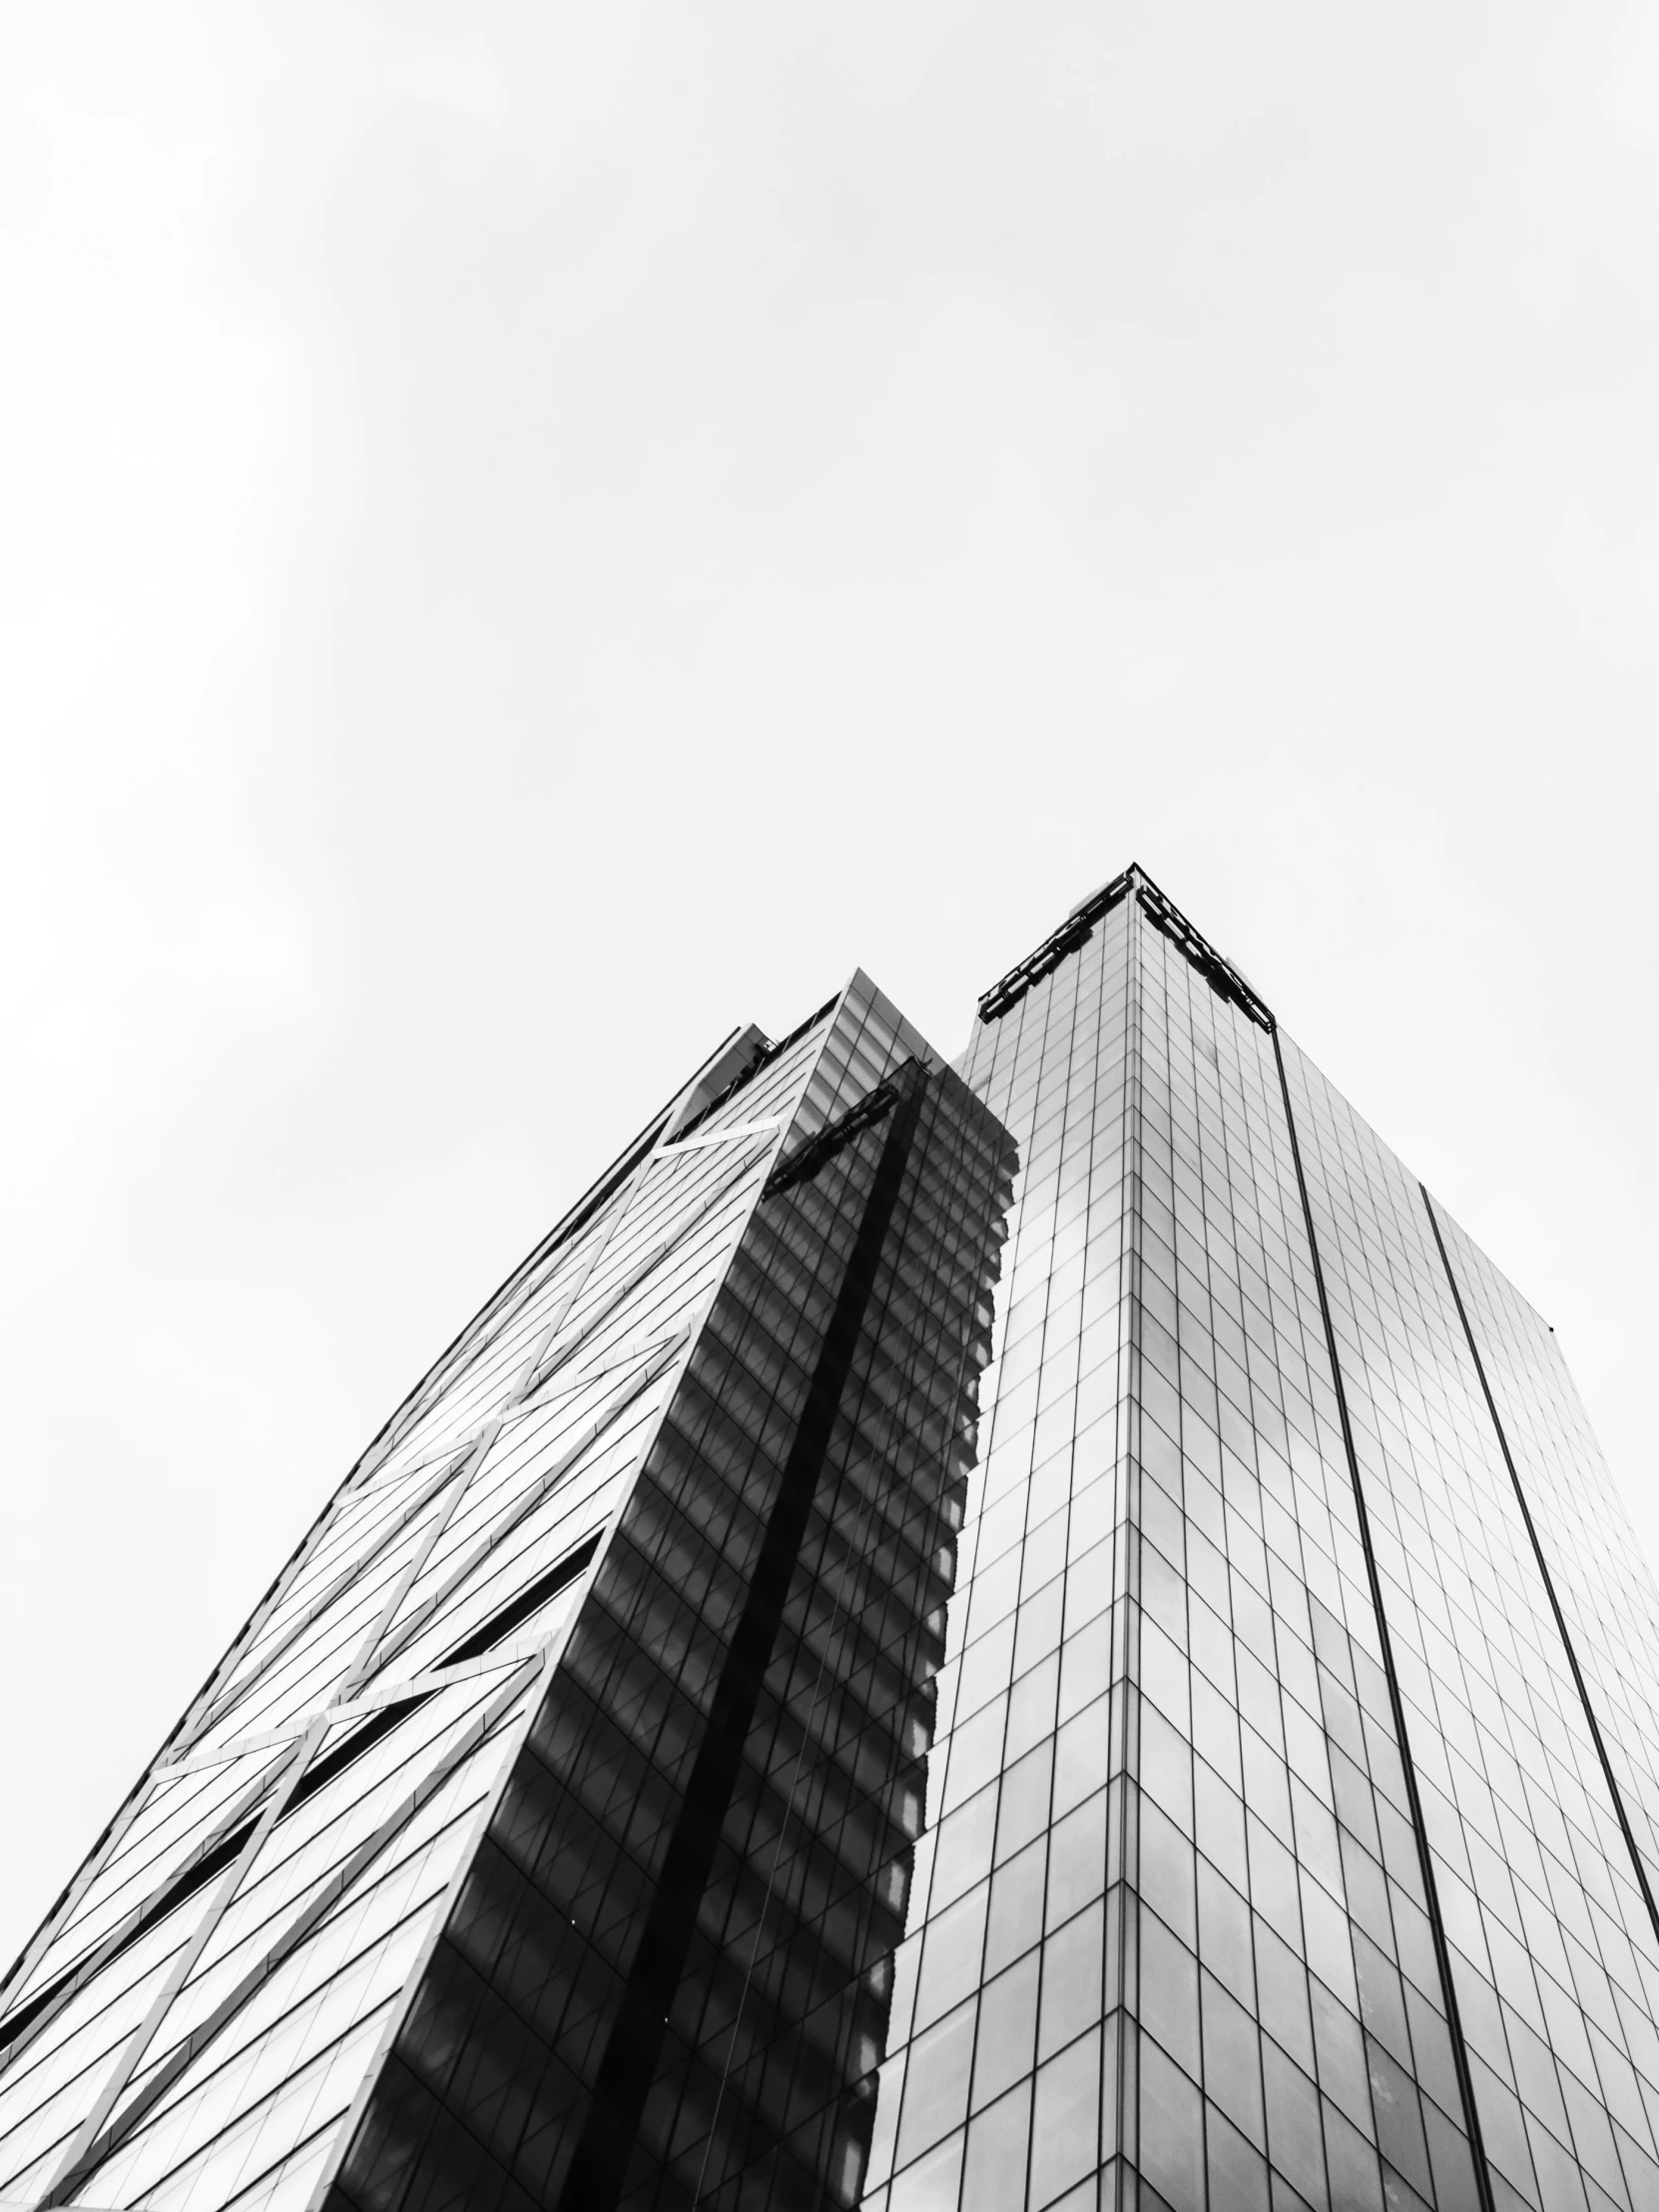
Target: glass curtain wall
(1272, 1859)
(1554, 1954)
(201, 2011)
(667, 1977)
(442, 1701)
(1609, 1604)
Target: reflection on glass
(1046, 1633)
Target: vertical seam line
(1396, 1702)
(1543, 1569)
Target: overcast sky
(531, 534)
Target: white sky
(531, 534)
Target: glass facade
(1292, 1814)
(1039, 1633)
(546, 1835)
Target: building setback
(1045, 1633)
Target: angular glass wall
(667, 1977)
(599, 1692)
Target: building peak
(1227, 980)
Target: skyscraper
(1291, 1809)
(544, 1837)
(728, 1744)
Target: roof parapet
(1166, 917)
